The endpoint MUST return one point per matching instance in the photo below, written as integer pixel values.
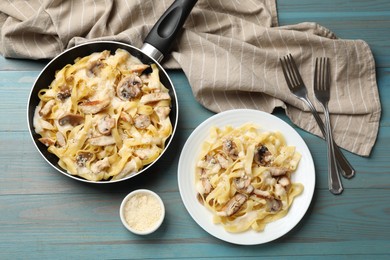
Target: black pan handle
(159, 40)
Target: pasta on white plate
(243, 176)
(105, 117)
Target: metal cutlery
(298, 88)
(322, 93)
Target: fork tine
(284, 69)
(322, 74)
(290, 72)
(316, 76)
(327, 83)
(322, 93)
(294, 67)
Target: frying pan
(156, 45)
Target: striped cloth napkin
(229, 50)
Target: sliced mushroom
(64, 94)
(95, 106)
(129, 87)
(46, 109)
(95, 64)
(154, 97)
(142, 121)
(274, 205)
(82, 158)
(102, 140)
(94, 68)
(105, 124)
(233, 205)
(71, 119)
(230, 148)
(262, 155)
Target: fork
(298, 88)
(322, 93)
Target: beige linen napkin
(229, 50)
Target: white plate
(304, 174)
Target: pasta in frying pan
(105, 117)
(243, 176)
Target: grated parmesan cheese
(142, 212)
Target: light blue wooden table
(45, 215)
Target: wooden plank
(15, 89)
(48, 215)
(23, 162)
(15, 138)
(362, 20)
(367, 20)
(48, 225)
(7, 64)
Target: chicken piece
(203, 186)
(279, 191)
(46, 109)
(278, 171)
(94, 106)
(284, 181)
(262, 194)
(102, 140)
(138, 68)
(126, 117)
(222, 161)
(154, 97)
(46, 141)
(233, 205)
(243, 185)
(162, 112)
(60, 139)
(100, 166)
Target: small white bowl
(142, 212)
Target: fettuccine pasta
(243, 176)
(105, 117)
